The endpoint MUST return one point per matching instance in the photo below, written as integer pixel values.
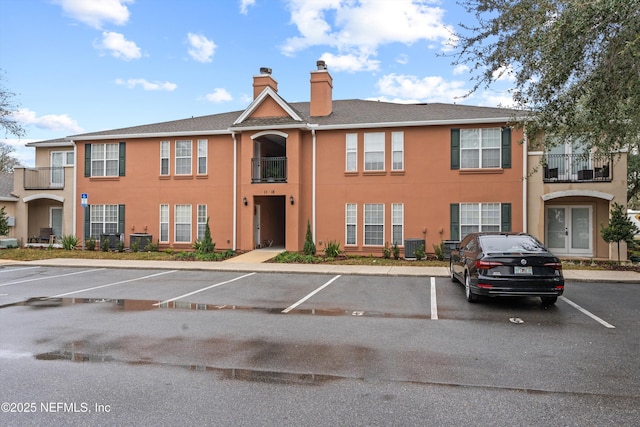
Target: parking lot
(292, 330)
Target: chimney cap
(321, 64)
(265, 70)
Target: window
(104, 220)
(352, 152)
(104, 159)
(374, 151)
(69, 158)
(352, 223)
(165, 152)
(183, 157)
(202, 221)
(374, 224)
(476, 217)
(397, 223)
(202, 156)
(164, 223)
(480, 148)
(397, 151)
(183, 224)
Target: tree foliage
(7, 160)
(7, 110)
(620, 227)
(633, 178)
(575, 64)
(309, 245)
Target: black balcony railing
(269, 169)
(576, 168)
(43, 178)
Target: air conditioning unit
(11, 221)
(410, 246)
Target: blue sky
(86, 65)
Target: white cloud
(218, 95)
(496, 99)
(119, 47)
(350, 62)
(460, 69)
(202, 49)
(360, 27)
(245, 4)
(54, 122)
(95, 13)
(402, 59)
(427, 89)
(147, 85)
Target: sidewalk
(254, 261)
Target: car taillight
(485, 265)
(554, 265)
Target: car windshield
(510, 243)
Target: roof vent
(321, 65)
(265, 70)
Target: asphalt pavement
(256, 261)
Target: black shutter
(455, 148)
(87, 223)
(505, 221)
(120, 219)
(506, 147)
(121, 162)
(455, 221)
(87, 160)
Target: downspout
(525, 179)
(313, 185)
(235, 189)
(74, 192)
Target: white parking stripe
(113, 284)
(593, 316)
(17, 282)
(203, 289)
(291, 307)
(434, 304)
(11, 270)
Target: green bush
(91, 244)
(332, 249)
(419, 252)
(152, 247)
(309, 245)
(104, 245)
(135, 246)
(439, 250)
(396, 251)
(206, 245)
(386, 252)
(69, 242)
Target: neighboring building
(363, 173)
(45, 193)
(571, 194)
(9, 202)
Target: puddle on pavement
(239, 374)
(144, 305)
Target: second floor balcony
(51, 178)
(577, 168)
(268, 169)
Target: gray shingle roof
(6, 184)
(345, 113)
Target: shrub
(332, 249)
(69, 242)
(396, 251)
(4, 221)
(91, 244)
(309, 245)
(120, 246)
(152, 247)
(104, 245)
(135, 246)
(419, 252)
(386, 252)
(206, 245)
(439, 250)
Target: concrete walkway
(255, 261)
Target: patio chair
(46, 235)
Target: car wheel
(471, 297)
(549, 300)
(451, 275)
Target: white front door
(569, 230)
(57, 169)
(56, 221)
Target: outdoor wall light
(244, 201)
(291, 199)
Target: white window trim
(104, 159)
(364, 224)
(166, 207)
(347, 224)
(480, 148)
(372, 135)
(176, 223)
(202, 143)
(401, 223)
(201, 223)
(351, 138)
(184, 157)
(481, 223)
(397, 137)
(167, 157)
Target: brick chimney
(321, 91)
(263, 80)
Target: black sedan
(506, 264)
